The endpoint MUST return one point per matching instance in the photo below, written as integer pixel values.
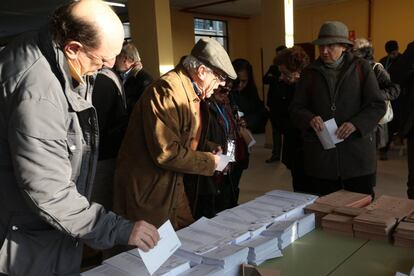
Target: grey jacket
(358, 100)
(48, 152)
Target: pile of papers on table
(344, 198)
(327, 204)
(341, 220)
(229, 258)
(404, 234)
(130, 264)
(206, 235)
(381, 217)
(261, 249)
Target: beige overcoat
(156, 152)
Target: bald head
(90, 22)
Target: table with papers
(321, 253)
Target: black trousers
(361, 184)
(410, 159)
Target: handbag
(389, 114)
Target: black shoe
(273, 159)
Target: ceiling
(17, 16)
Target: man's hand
(345, 130)
(317, 123)
(144, 236)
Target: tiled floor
(261, 177)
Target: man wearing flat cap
(163, 137)
(342, 87)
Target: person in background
(393, 54)
(246, 97)
(135, 79)
(402, 73)
(49, 145)
(275, 102)
(390, 91)
(290, 63)
(164, 139)
(342, 87)
(209, 195)
(108, 97)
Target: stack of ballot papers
(106, 270)
(382, 215)
(341, 220)
(285, 230)
(344, 198)
(320, 210)
(261, 249)
(130, 264)
(326, 204)
(239, 223)
(306, 224)
(404, 234)
(229, 257)
(203, 270)
(206, 235)
(375, 225)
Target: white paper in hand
(166, 246)
(224, 160)
(327, 136)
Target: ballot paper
(224, 161)
(204, 270)
(327, 136)
(285, 231)
(166, 246)
(232, 234)
(261, 249)
(227, 257)
(104, 270)
(238, 223)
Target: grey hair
(191, 64)
(130, 51)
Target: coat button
(73, 147)
(14, 228)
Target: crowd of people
(94, 150)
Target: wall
(392, 20)
(307, 20)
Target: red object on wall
(352, 35)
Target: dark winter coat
(357, 99)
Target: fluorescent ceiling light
(115, 4)
(289, 36)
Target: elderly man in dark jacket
(48, 145)
(343, 87)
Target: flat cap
(210, 52)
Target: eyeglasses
(220, 77)
(103, 60)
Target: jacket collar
(187, 83)
(60, 68)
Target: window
(216, 29)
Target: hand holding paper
(144, 235)
(345, 130)
(328, 136)
(167, 245)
